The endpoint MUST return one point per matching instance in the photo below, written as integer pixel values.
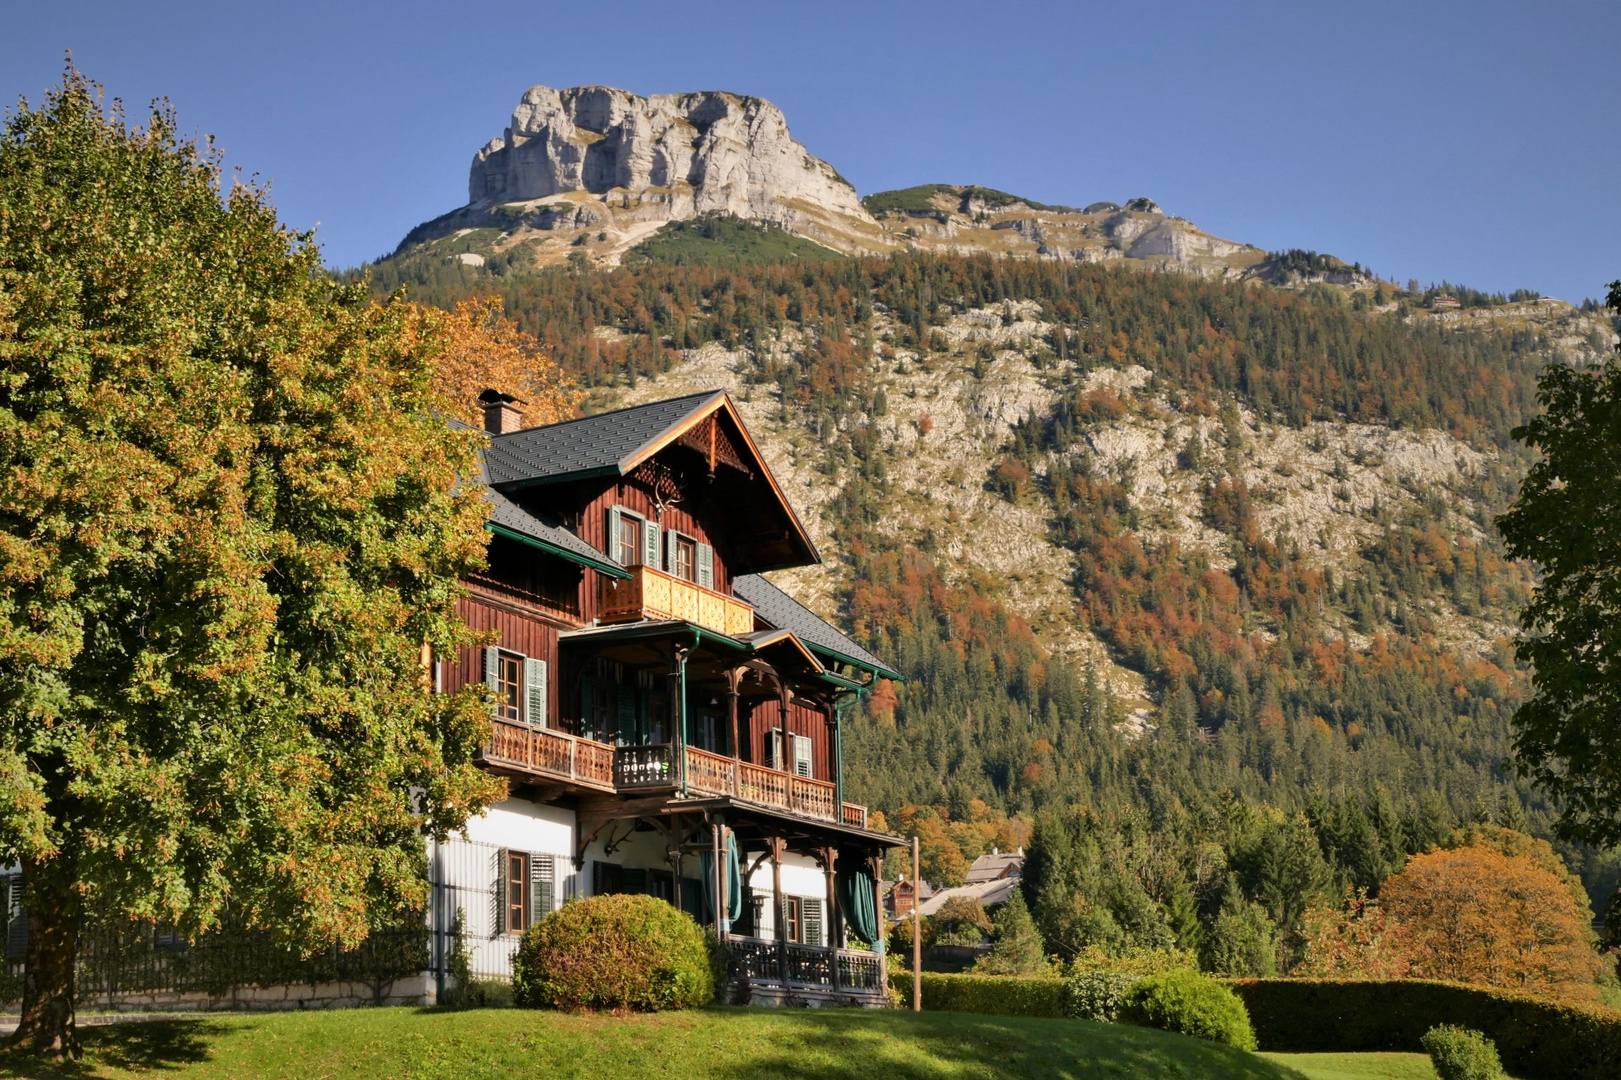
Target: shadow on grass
(835, 1045)
(147, 1046)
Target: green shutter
(810, 915)
(534, 688)
(706, 566)
(11, 895)
(500, 920)
(625, 715)
(650, 544)
(492, 673)
(542, 886)
(611, 548)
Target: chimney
(501, 412)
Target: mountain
(594, 172)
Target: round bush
(1096, 995)
(1461, 1054)
(615, 952)
(1190, 1004)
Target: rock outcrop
(671, 156)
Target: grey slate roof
(783, 612)
(593, 444)
(509, 515)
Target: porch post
(779, 916)
(835, 935)
(679, 716)
(719, 898)
(880, 946)
(917, 934)
(733, 677)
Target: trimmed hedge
(1537, 1039)
(1189, 1003)
(988, 995)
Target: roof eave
(599, 565)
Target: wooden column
(830, 857)
(879, 946)
(733, 678)
(717, 850)
(775, 844)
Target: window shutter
(611, 548)
(500, 920)
(492, 672)
(775, 748)
(625, 713)
(706, 566)
(811, 927)
(534, 688)
(16, 918)
(542, 886)
(802, 755)
(669, 551)
(650, 543)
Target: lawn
(1358, 1066)
(737, 1044)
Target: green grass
(1358, 1066)
(719, 238)
(735, 1044)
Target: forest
(1277, 745)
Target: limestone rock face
(670, 155)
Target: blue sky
(1476, 142)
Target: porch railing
(653, 594)
(644, 766)
(712, 774)
(765, 962)
(548, 753)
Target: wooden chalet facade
(668, 721)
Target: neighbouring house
(990, 880)
(661, 708)
(902, 897)
(668, 721)
(1445, 301)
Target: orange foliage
(1474, 914)
(1357, 941)
(482, 349)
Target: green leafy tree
(1017, 949)
(1567, 520)
(230, 529)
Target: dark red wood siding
(521, 632)
(802, 720)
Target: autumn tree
(1567, 520)
(1473, 914)
(232, 522)
(1356, 940)
(478, 347)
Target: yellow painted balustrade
(653, 594)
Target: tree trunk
(46, 1026)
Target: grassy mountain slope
(1136, 539)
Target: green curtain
(856, 900)
(734, 881)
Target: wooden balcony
(712, 774)
(653, 594)
(551, 755)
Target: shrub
(1461, 1054)
(1189, 1004)
(1096, 995)
(988, 995)
(1538, 1039)
(615, 952)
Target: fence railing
(653, 594)
(544, 752)
(774, 963)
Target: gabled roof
(609, 442)
(782, 612)
(613, 444)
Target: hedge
(1537, 1039)
(989, 995)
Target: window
(802, 756)
(517, 892)
(628, 550)
(509, 687)
(686, 558)
(798, 745)
(793, 924)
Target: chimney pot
(501, 412)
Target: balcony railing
(645, 766)
(553, 754)
(712, 774)
(763, 962)
(653, 594)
